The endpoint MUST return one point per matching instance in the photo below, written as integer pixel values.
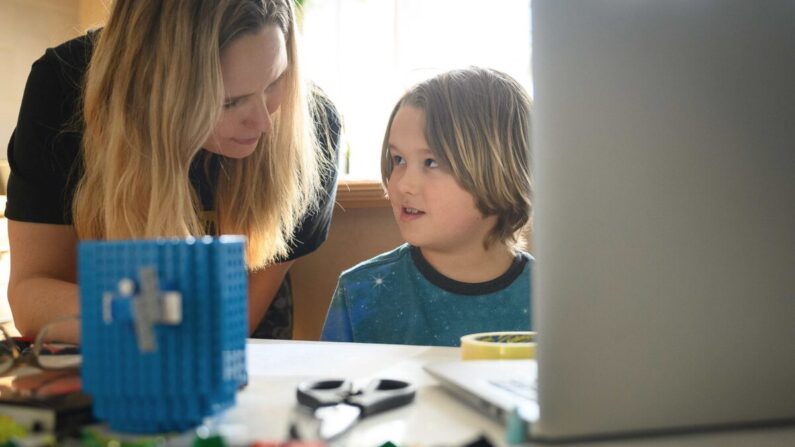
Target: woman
(194, 121)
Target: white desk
(435, 419)
(276, 367)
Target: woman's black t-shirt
(46, 161)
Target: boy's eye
(397, 160)
(431, 163)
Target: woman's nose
(260, 117)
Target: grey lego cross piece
(149, 307)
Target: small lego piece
(152, 306)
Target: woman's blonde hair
(153, 94)
(477, 122)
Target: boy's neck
(472, 264)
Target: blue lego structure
(164, 326)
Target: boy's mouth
(409, 213)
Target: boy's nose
(409, 182)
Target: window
(366, 53)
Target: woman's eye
(275, 84)
(431, 163)
(231, 104)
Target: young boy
(456, 166)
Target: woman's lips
(246, 141)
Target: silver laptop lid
(493, 387)
(664, 138)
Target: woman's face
(253, 68)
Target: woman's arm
(262, 287)
(43, 285)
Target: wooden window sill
(361, 194)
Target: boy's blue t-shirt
(398, 297)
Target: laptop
(496, 388)
(664, 228)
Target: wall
(27, 28)
(92, 13)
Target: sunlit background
(366, 53)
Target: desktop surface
(276, 367)
(436, 418)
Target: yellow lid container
(518, 345)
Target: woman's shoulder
(327, 119)
(76, 49)
(70, 59)
(44, 148)
(324, 107)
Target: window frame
(355, 193)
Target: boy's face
(432, 210)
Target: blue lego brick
(198, 364)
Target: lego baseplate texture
(197, 365)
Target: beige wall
(92, 13)
(356, 235)
(27, 28)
